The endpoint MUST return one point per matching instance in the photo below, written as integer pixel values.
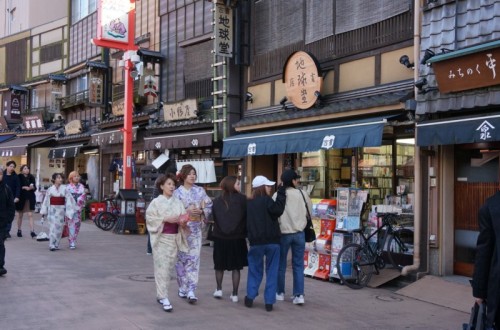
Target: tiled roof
(337, 104)
(454, 26)
(97, 65)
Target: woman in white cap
(264, 235)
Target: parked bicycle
(106, 220)
(356, 263)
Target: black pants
(3, 231)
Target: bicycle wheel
(96, 218)
(106, 220)
(399, 243)
(354, 266)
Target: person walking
(57, 205)
(12, 180)
(27, 200)
(229, 214)
(199, 206)
(292, 223)
(163, 216)
(77, 190)
(264, 236)
(485, 283)
(7, 212)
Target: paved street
(107, 283)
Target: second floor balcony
(86, 97)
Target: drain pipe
(417, 222)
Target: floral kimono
(188, 263)
(165, 242)
(57, 205)
(79, 196)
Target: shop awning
(18, 146)
(459, 130)
(345, 134)
(111, 137)
(6, 137)
(69, 151)
(180, 140)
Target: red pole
(127, 125)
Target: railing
(74, 99)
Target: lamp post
(113, 33)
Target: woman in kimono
(199, 207)
(77, 190)
(163, 216)
(57, 205)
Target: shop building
(457, 105)
(335, 103)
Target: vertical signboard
(223, 31)
(15, 106)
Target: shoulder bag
(310, 234)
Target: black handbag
(210, 231)
(477, 318)
(310, 234)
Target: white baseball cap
(261, 180)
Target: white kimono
(165, 246)
(56, 214)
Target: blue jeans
(297, 243)
(256, 255)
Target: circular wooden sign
(302, 78)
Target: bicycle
(106, 220)
(356, 263)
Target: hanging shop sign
(73, 127)
(15, 106)
(33, 122)
(303, 79)
(468, 72)
(180, 110)
(148, 86)
(223, 31)
(118, 108)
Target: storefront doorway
(476, 179)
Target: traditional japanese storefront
(458, 103)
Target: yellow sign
(180, 110)
(73, 127)
(118, 108)
(302, 78)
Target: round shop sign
(303, 79)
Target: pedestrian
(292, 223)
(264, 234)
(7, 212)
(169, 167)
(229, 214)
(77, 190)
(163, 216)
(58, 205)
(485, 283)
(27, 200)
(199, 206)
(12, 180)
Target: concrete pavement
(107, 283)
